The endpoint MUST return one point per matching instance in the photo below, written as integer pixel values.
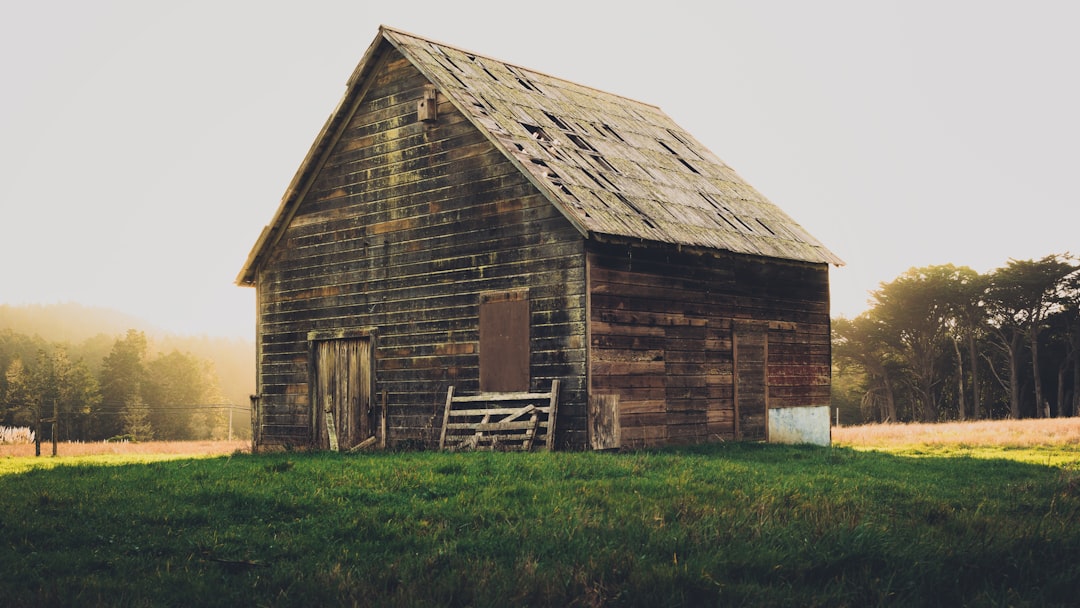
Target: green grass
(728, 525)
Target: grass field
(726, 524)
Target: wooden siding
(661, 336)
(401, 230)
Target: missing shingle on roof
(686, 142)
(447, 57)
(679, 137)
(548, 173)
(613, 132)
(766, 227)
(537, 133)
(522, 79)
(723, 211)
(476, 103)
(558, 121)
(744, 224)
(667, 147)
(603, 162)
(581, 142)
(594, 178)
(687, 165)
(644, 217)
(712, 201)
(460, 81)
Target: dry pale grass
(192, 448)
(980, 433)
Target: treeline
(103, 386)
(948, 343)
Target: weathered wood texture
(401, 230)
(504, 421)
(341, 393)
(663, 323)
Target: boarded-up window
(504, 341)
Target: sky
(144, 144)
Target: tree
(123, 373)
(174, 384)
(1020, 297)
(18, 400)
(966, 320)
(858, 342)
(916, 313)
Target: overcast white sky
(143, 145)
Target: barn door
(341, 395)
(750, 350)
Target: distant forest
(105, 378)
(948, 343)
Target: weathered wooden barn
(460, 221)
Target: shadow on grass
(730, 524)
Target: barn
(466, 226)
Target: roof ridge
(383, 29)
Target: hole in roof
(723, 212)
(667, 147)
(728, 222)
(679, 137)
(744, 224)
(489, 74)
(614, 133)
(520, 147)
(567, 192)
(712, 201)
(460, 81)
(688, 165)
(448, 59)
(603, 162)
(580, 142)
(537, 132)
(538, 161)
(558, 121)
(593, 178)
(626, 201)
(766, 227)
(522, 79)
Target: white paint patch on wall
(800, 425)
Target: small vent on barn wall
(427, 109)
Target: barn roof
(615, 167)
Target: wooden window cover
(504, 342)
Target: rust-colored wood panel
(504, 346)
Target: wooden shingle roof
(613, 166)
